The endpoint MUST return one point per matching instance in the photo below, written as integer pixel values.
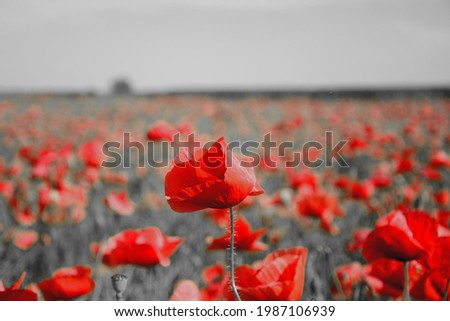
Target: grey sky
(235, 44)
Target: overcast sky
(232, 44)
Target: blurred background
(76, 74)
(179, 45)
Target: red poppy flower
(245, 239)
(362, 191)
(215, 277)
(6, 189)
(120, 203)
(301, 178)
(25, 217)
(440, 159)
(13, 293)
(319, 204)
(431, 173)
(342, 183)
(23, 239)
(215, 283)
(161, 130)
(357, 143)
(359, 238)
(443, 217)
(220, 216)
(381, 179)
(67, 283)
(401, 236)
(442, 197)
(186, 290)
(385, 277)
(405, 165)
(209, 179)
(92, 154)
(143, 247)
(430, 287)
(439, 258)
(348, 275)
(279, 277)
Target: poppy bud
(119, 283)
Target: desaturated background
(165, 46)
(235, 44)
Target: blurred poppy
(245, 239)
(67, 284)
(431, 286)
(439, 259)
(443, 217)
(401, 236)
(405, 165)
(214, 178)
(23, 239)
(318, 204)
(92, 153)
(301, 178)
(359, 237)
(439, 159)
(6, 189)
(431, 173)
(215, 277)
(120, 203)
(279, 277)
(143, 247)
(161, 130)
(215, 283)
(363, 190)
(442, 197)
(385, 277)
(186, 290)
(220, 216)
(13, 293)
(348, 275)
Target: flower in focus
(214, 178)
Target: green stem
(233, 283)
(406, 295)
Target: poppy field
(136, 219)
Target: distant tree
(121, 87)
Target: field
(59, 205)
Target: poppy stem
(445, 297)
(233, 283)
(406, 295)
